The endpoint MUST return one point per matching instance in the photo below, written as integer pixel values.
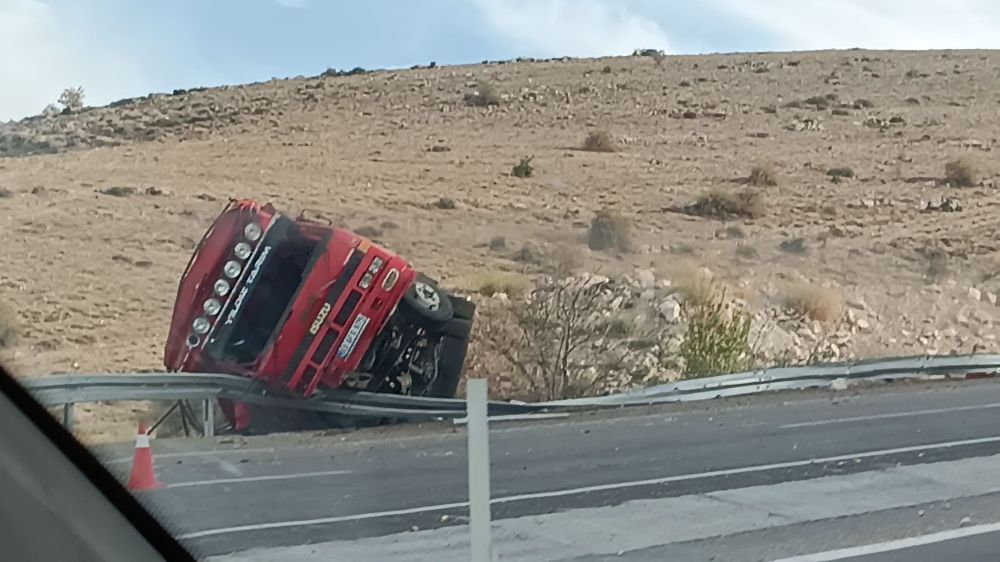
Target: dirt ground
(91, 276)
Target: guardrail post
(68, 417)
(208, 417)
(479, 471)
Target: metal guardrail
(67, 390)
(788, 378)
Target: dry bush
(937, 265)
(717, 338)
(368, 231)
(794, 246)
(498, 243)
(484, 95)
(446, 203)
(961, 173)
(763, 176)
(10, 326)
(609, 230)
(814, 301)
(71, 99)
(746, 251)
(721, 204)
(694, 283)
(600, 141)
(490, 283)
(840, 172)
(551, 339)
(529, 253)
(566, 260)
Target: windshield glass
(260, 301)
(729, 271)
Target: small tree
(71, 99)
(559, 341)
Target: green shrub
(524, 169)
(717, 338)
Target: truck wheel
(457, 328)
(453, 351)
(425, 304)
(463, 308)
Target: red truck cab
(302, 306)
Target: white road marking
(256, 478)
(587, 489)
(889, 546)
(892, 415)
(304, 522)
(157, 455)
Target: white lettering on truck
(251, 276)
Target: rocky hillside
(847, 198)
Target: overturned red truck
(305, 307)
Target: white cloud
(572, 27)
(41, 54)
(872, 24)
(293, 3)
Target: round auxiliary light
(242, 250)
(201, 325)
(252, 231)
(232, 269)
(212, 307)
(222, 287)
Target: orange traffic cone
(142, 477)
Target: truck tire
(463, 308)
(425, 304)
(457, 328)
(449, 374)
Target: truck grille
(350, 303)
(332, 296)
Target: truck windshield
(284, 259)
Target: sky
(123, 48)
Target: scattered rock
(839, 384)
(440, 148)
(646, 278)
(965, 521)
(119, 191)
(946, 205)
(975, 294)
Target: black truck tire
(453, 352)
(425, 304)
(463, 308)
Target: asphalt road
(772, 479)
